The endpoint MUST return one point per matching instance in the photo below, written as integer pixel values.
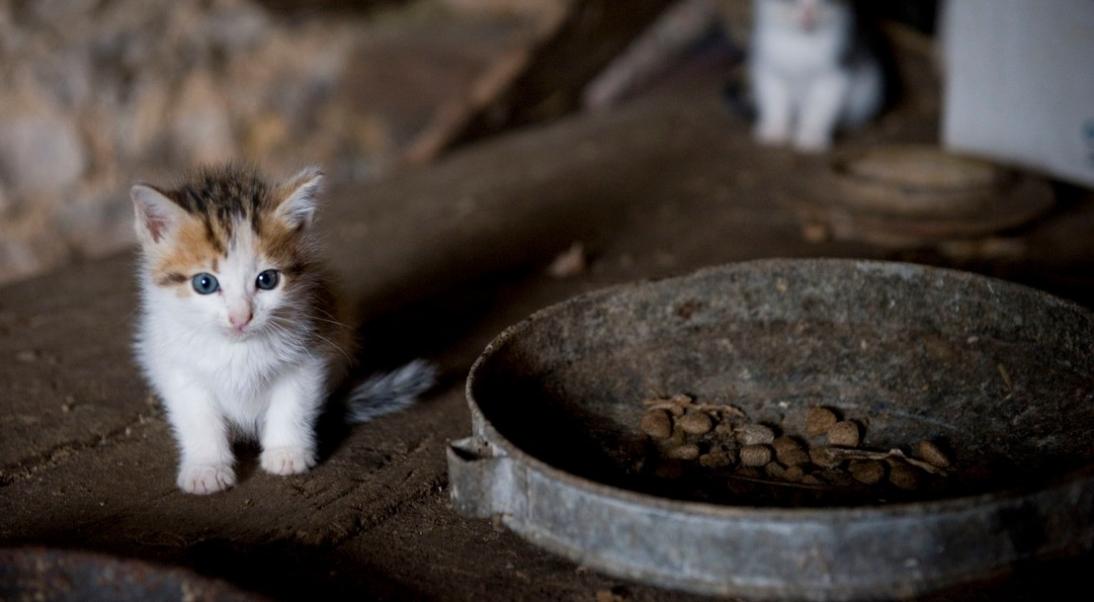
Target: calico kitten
(239, 333)
(812, 70)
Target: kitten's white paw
(770, 135)
(202, 479)
(287, 460)
(812, 143)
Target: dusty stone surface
(437, 261)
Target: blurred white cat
(811, 72)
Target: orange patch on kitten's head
(190, 252)
(189, 229)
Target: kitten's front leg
(202, 435)
(820, 112)
(288, 436)
(776, 108)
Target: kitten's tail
(391, 391)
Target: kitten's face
(231, 252)
(803, 15)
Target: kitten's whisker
(279, 320)
(332, 344)
(329, 317)
(325, 312)
(334, 322)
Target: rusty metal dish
(1005, 374)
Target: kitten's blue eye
(268, 280)
(205, 284)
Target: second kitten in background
(812, 71)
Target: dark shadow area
(275, 570)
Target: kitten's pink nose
(240, 320)
(809, 18)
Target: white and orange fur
(810, 73)
(246, 359)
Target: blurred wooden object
(906, 195)
(662, 44)
(543, 81)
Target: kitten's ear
(300, 196)
(157, 216)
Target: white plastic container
(1020, 83)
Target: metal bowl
(1003, 374)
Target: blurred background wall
(98, 93)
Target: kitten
(238, 333)
(812, 71)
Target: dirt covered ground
(437, 261)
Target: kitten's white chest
(242, 374)
(238, 374)
(238, 367)
(794, 54)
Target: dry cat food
(819, 420)
(827, 454)
(843, 434)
